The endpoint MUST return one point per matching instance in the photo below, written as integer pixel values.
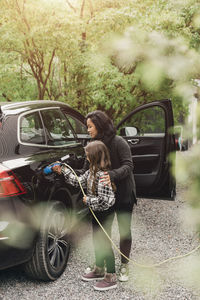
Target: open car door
(147, 131)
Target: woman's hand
(84, 199)
(57, 169)
(105, 179)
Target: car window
(58, 129)
(78, 127)
(31, 130)
(148, 122)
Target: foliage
(188, 173)
(76, 51)
(33, 32)
(15, 82)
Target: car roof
(12, 108)
(27, 105)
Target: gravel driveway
(158, 234)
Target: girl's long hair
(99, 159)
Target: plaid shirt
(105, 196)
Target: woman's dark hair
(103, 124)
(99, 159)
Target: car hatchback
(33, 135)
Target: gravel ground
(158, 234)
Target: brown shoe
(109, 282)
(96, 274)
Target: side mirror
(129, 131)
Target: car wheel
(52, 246)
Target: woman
(100, 127)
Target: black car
(37, 208)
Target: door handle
(134, 141)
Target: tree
(77, 51)
(33, 32)
(146, 63)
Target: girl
(100, 198)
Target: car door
(147, 130)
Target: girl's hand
(105, 179)
(84, 199)
(57, 169)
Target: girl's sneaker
(109, 282)
(96, 274)
(123, 273)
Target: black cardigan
(122, 171)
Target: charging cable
(132, 261)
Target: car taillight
(10, 184)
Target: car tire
(52, 246)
